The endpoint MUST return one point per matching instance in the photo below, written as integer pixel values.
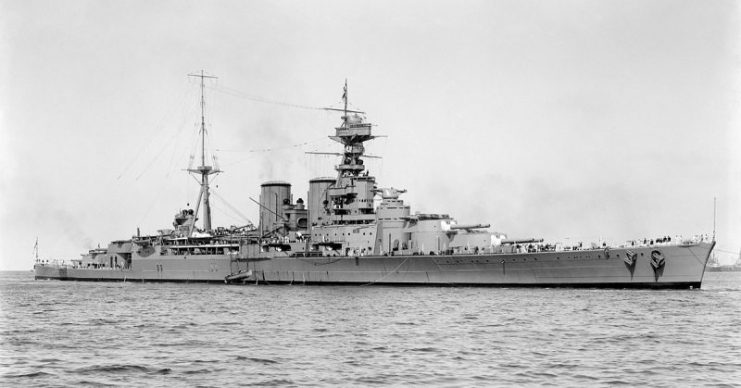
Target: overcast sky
(567, 120)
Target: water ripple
(74, 334)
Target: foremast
(204, 170)
(351, 197)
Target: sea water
(59, 333)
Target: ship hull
(683, 267)
(204, 268)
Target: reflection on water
(72, 333)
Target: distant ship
(351, 231)
(715, 266)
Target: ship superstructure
(346, 221)
(353, 231)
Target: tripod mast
(203, 169)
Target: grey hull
(684, 267)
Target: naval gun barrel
(523, 241)
(471, 226)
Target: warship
(715, 266)
(353, 231)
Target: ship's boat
(353, 231)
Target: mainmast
(203, 169)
